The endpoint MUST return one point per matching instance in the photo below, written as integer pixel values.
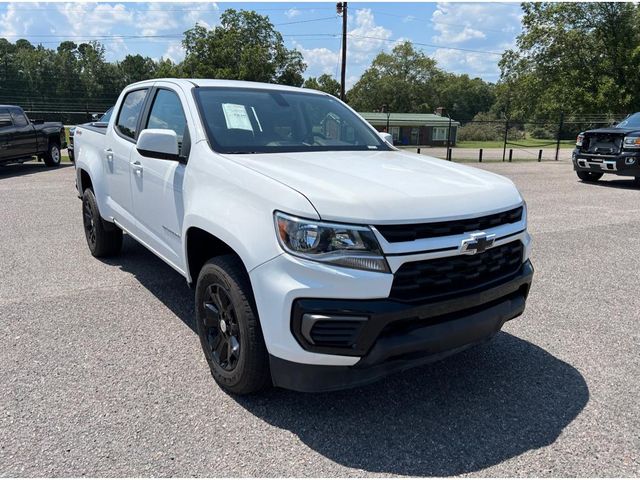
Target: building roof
(408, 119)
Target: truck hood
(612, 131)
(386, 187)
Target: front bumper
(398, 336)
(626, 163)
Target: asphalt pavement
(102, 373)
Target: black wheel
(53, 156)
(589, 176)
(103, 238)
(636, 181)
(71, 157)
(229, 328)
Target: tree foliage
(572, 57)
(325, 83)
(245, 46)
(406, 80)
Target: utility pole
(341, 9)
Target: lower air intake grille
(335, 333)
(428, 279)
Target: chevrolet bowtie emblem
(477, 243)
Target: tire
(104, 239)
(71, 156)
(589, 176)
(228, 327)
(53, 156)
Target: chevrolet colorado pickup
(321, 256)
(613, 150)
(21, 139)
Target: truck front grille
(416, 231)
(430, 279)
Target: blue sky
(461, 37)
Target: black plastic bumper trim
(382, 312)
(396, 354)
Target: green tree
(135, 68)
(464, 97)
(245, 46)
(572, 57)
(404, 80)
(325, 83)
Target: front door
(24, 141)
(6, 128)
(157, 183)
(117, 156)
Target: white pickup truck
(321, 256)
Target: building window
(439, 133)
(395, 133)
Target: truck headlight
(351, 246)
(579, 140)
(631, 142)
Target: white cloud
(89, 19)
(457, 23)
(15, 22)
(292, 13)
(319, 59)
(366, 37)
(472, 63)
(175, 52)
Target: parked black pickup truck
(21, 139)
(609, 150)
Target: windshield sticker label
(236, 116)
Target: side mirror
(158, 143)
(387, 137)
(95, 117)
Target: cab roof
(200, 82)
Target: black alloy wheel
(89, 223)
(228, 326)
(222, 333)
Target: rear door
(6, 129)
(121, 141)
(157, 183)
(24, 142)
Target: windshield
(241, 120)
(632, 121)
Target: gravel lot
(102, 374)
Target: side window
(5, 119)
(107, 116)
(166, 113)
(130, 113)
(19, 119)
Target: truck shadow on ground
(456, 416)
(19, 169)
(622, 184)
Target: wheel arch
(84, 180)
(200, 245)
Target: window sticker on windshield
(236, 116)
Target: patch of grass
(527, 142)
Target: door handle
(137, 168)
(109, 154)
